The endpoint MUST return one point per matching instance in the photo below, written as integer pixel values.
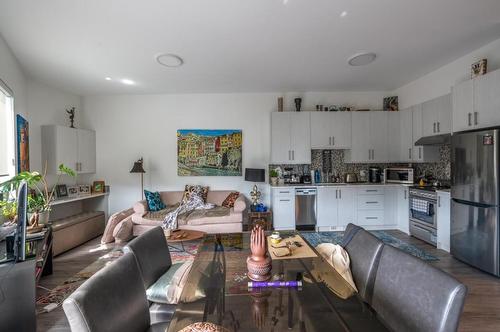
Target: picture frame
(391, 104)
(61, 190)
(73, 191)
(98, 187)
(84, 189)
(479, 68)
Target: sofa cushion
(168, 288)
(114, 220)
(232, 217)
(188, 189)
(230, 199)
(123, 231)
(154, 201)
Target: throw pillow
(188, 189)
(337, 257)
(124, 230)
(154, 201)
(168, 288)
(230, 199)
(114, 220)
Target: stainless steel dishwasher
(305, 208)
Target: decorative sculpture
(258, 263)
(71, 113)
(298, 103)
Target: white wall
(440, 81)
(132, 126)
(12, 75)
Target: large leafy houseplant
(40, 195)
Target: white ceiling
(241, 45)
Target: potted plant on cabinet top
(40, 196)
(274, 177)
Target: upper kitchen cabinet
(75, 148)
(290, 138)
(331, 130)
(406, 145)
(369, 137)
(421, 153)
(394, 131)
(436, 116)
(476, 102)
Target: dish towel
(420, 205)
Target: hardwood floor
(481, 311)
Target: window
(7, 147)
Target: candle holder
(259, 263)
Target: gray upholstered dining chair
(113, 299)
(411, 295)
(151, 252)
(364, 251)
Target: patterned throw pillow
(188, 189)
(230, 199)
(154, 201)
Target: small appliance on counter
(363, 175)
(351, 178)
(306, 179)
(374, 175)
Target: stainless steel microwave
(399, 175)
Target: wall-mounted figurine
(71, 113)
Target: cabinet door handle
(293, 154)
(475, 118)
(405, 193)
(340, 193)
(373, 153)
(439, 201)
(336, 194)
(289, 154)
(469, 117)
(333, 140)
(330, 140)
(371, 218)
(409, 153)
(284, 200)
(434, 127)
(438, 129)
(373, 202)
(371, 190)
(284, 192)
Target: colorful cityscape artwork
(209, 152)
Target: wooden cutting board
(304, 251)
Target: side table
(264, 219)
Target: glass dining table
(217, 291)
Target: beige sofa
(232, 223)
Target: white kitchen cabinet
(330, 130)
(421, 153)
(403, 209)
(436, 116)
(327, 207)
(369, 137)
(486, 100)
(370, 206)
(406, 135)
(283, 204)
(443, 221)
(290, 138)
(463, 105)
(346, 210)
(394, 136)
(75, 148)
(391, 206)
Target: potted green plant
(8, 211)
(273, 174)
(40, 197)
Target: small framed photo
(479, 68)
(72, 191)
(61, 190)
(391, 104)
(98, 187)
(84, 189)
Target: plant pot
(43, 217)
(274, 181)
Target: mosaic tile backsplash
(332, 162)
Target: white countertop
(357, 184)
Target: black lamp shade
(255, 175)
(137, 168)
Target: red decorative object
(259, 263)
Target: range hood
(442, 139)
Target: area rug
(315, 238)
(58, 294)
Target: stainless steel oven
(423, 217)
(399, 175)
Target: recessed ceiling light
(169, 60)
(127, 81)
(361, 59)
(107, 78)
(343, 14)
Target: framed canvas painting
(209, 152)
(23, 144)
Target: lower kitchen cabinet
(403, 209)
(283, 204)
(443, 221)
(336, 207)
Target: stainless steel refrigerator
(475, 162)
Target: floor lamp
(137, 168)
